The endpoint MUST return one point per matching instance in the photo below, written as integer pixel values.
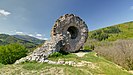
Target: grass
(44, 66)
(1, 65)
(33, 68)
(127, 31)
(66, 57)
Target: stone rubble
(72, 63)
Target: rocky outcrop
(68, 34)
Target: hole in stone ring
(73, 31)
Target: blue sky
(36, 17)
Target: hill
(8, 39)
(114, 43)
(112, 33)
(30, 39)
(123, 31)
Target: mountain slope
(121, 31)
(29, 38)
(113, 43)
(112, 33)
(7, 39)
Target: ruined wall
(68, 34)
(73, 30)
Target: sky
(36, 17)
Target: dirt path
(80, 54)
(131, 71)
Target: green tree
(12, 52)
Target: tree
(12, 52)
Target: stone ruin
(68, 34)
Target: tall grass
(120, 52)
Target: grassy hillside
(8, 39)
(30, 39)
(97, 66)
(112, 33)
(114, 43)
(109, 34)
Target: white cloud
(42, 38)
(4, 13)
(31, 35)
(36, 35)
(19, 33)
(45, 38)
(39, 35)
(131, 7)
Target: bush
(120, 52)
(99, 35)
(12, 52)
(112, 29)
(90, 47)
(104, 33)
(56, 54)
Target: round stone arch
(73, 30)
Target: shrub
(90, 47)
(91, 44)
(99, 35)
(104, 33)
(103, 36)
(112, 29)
(120, 52)
(12, 52)
(55, 54)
